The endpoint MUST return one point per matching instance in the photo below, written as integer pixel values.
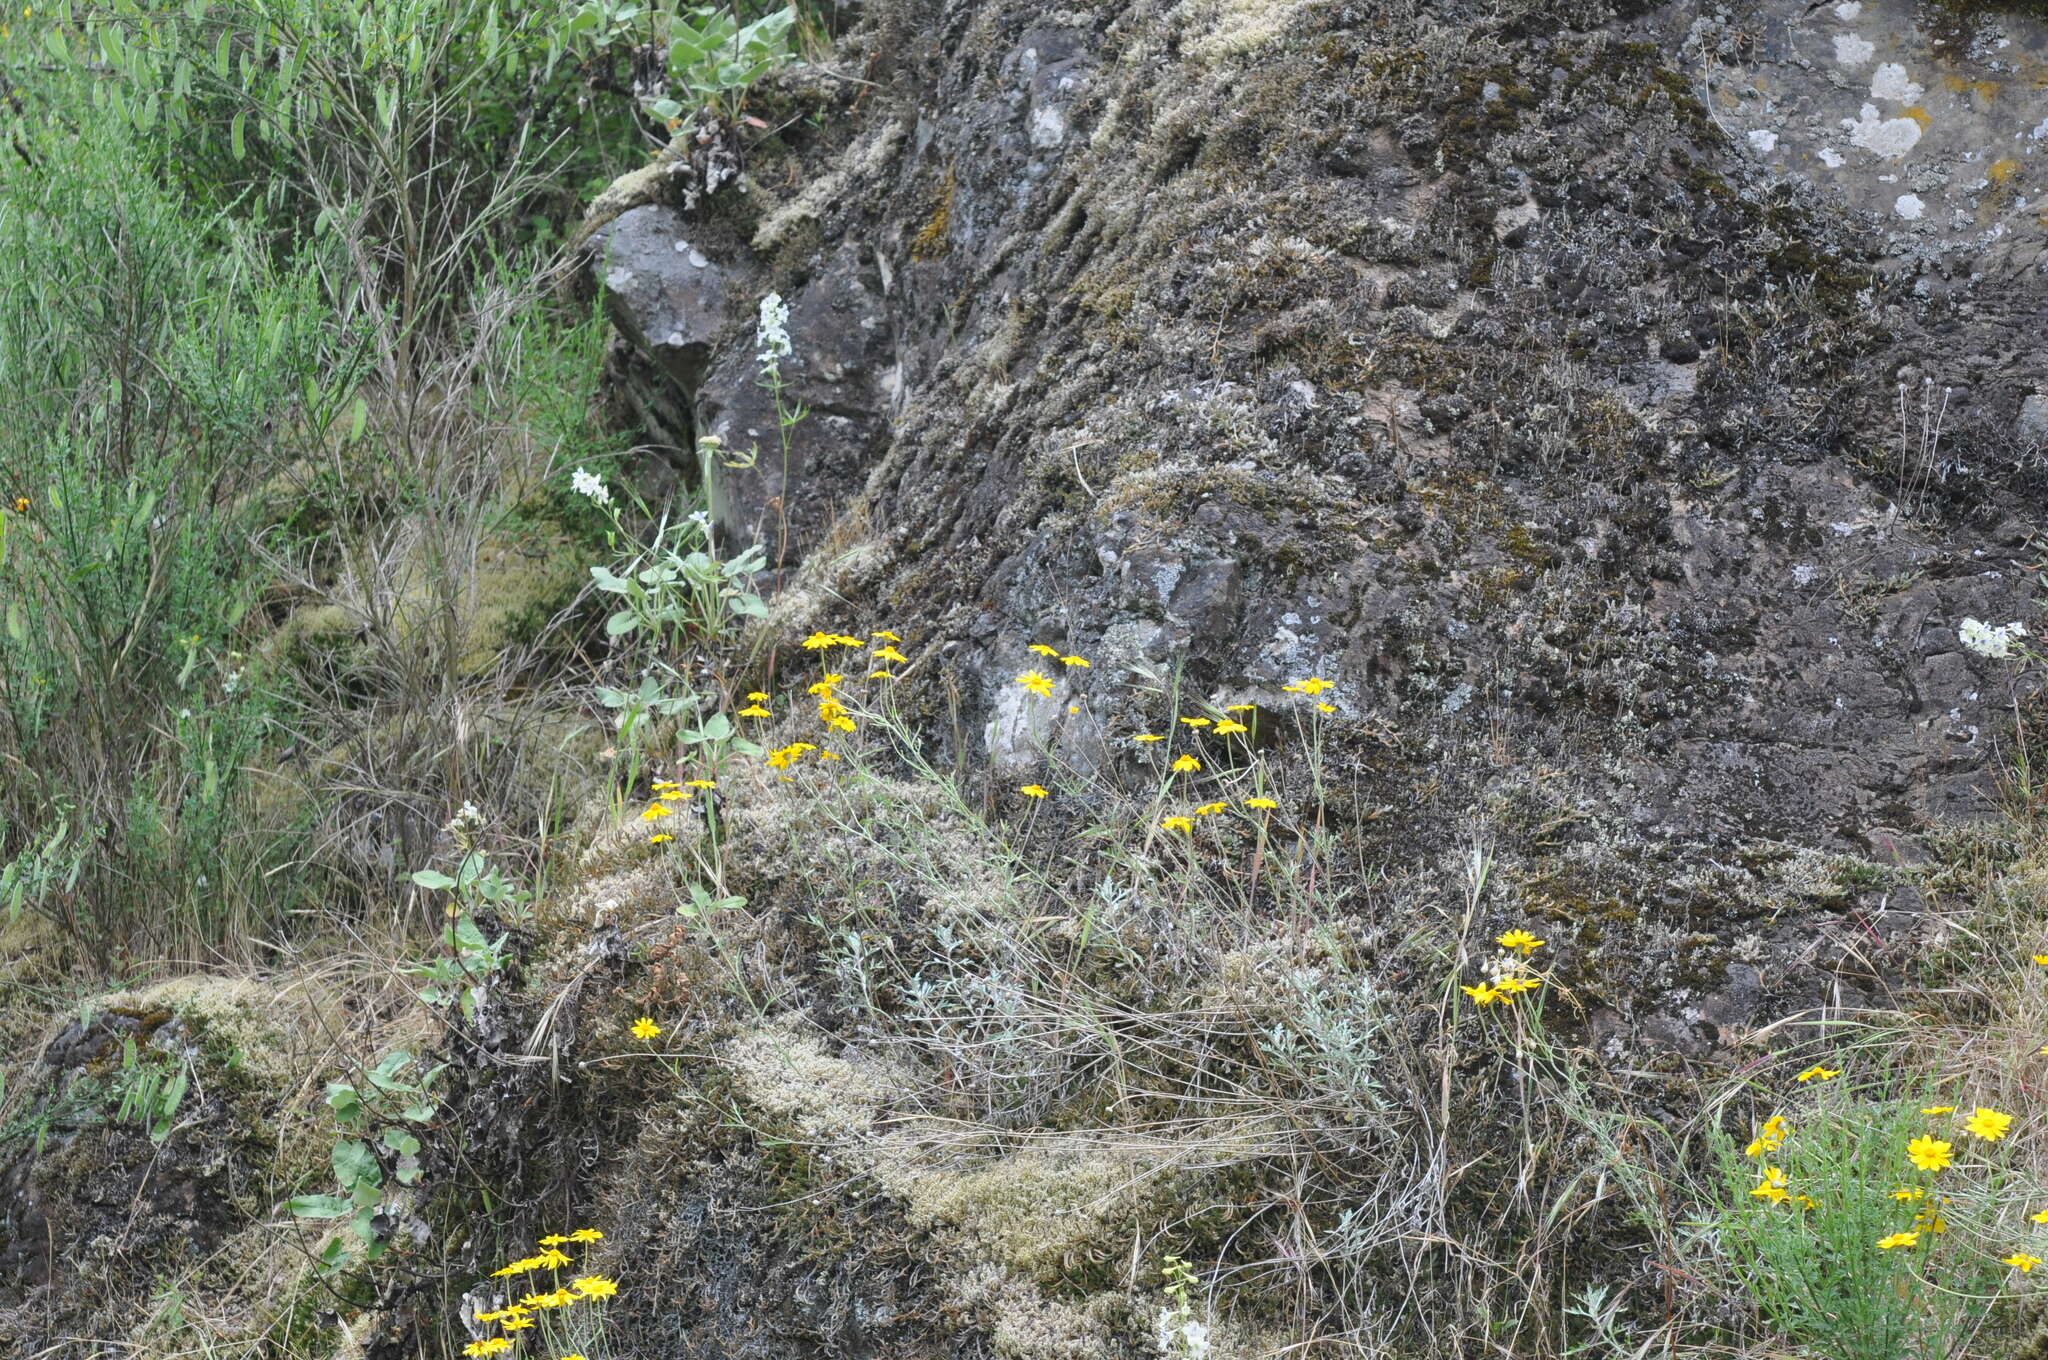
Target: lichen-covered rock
(1485, 365)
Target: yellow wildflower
(1484, 994)
(586, 1235)
(1263, 804)
(1044, 650)
(656, 811)
(1210, 809)
(1032, 791)
(889, 654)
(2021, 1262)
(561, 1298)
(1036, 683)
(1521, 941)
(702, 783)
(553, 1240)
(1904, 1239)
(1312, 685)
(2041, 1217)
(1906, 1194)
(660, 838)
(1074, 661)
(1818, 1073)
(518, 1324)
(755, 711)
(1930, 1154)
(1988, 1124)
(1176, 824)
(1512, 985)
(885, 635)
(595, 1287)
(1806, 1201)
(553, 1259)
(759, 696)
(818, 642)
(1186, 765)
(2041, 959)
(1327, 708)
(1240, 708)
(645, 1028)
(1229, 727)
(1196, 722)
(519, 1267)
(1937, 1109)
(890, 675)
(824, 687)
(1148, 736)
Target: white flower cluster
(591, 485)
(773, 332)
(1992, 640)
(1181, 1337)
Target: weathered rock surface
(1504, 370)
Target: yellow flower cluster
(666, 794)
(1228, 723)
(1510, 974)
(514, 1318)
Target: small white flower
(773, 332)
(1992, 640)
(591, 485)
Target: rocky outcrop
(1570, 388)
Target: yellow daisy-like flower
(2041, 959)
(1263, 804)
(891, 675)
(1485, 993)
(1818, 1073)
(1930, 1154)
(2021, 1262)
(660, 838)
(1988, 1124)
(561, 1298)
(644, 1028)
(759, 696)
(595, 1287)
(1903, 1239)
(1240, 708)
(656, 811)
(1521, 941)
(586, 1235)
(2041, 1217)
(1036, 683)
(1517, 984)
(1186, 765)
(818, 642)
(1210, 809)
(518, 1324)
(1032, 790)
(889, 654)
(1230, 727)
(1074, 661)
(553, 1240)
(1906, 1194)
(1937, 1109)
(1176, 823)
(518, 1267)
(490, 1345)
(1196, 722)
(884, 635)
(828, 755)
(1148, 736)
(551, 1259)
(702, 783)
(1044, 650)
(1313, 685)
(664, 784)
(755, 711)
(824, 687)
